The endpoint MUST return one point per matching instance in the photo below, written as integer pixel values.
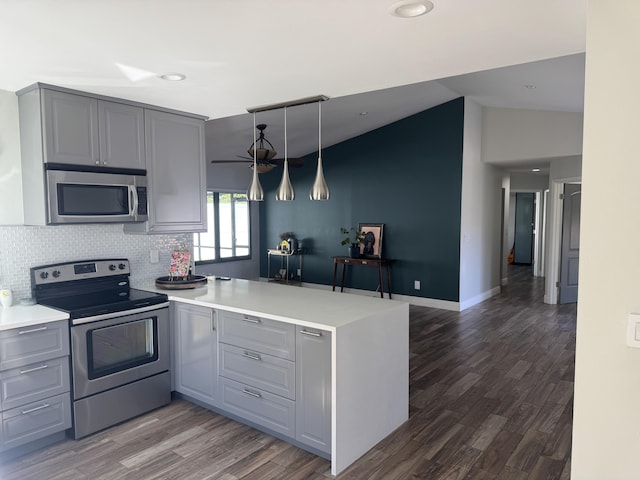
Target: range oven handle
(106, 316)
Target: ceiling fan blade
(293, 162)
(231, 161)
(262, 166)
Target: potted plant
(354, 238)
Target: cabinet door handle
(251, 320)
(23, 332)
(311, 334)
(44, 405)
(252, 356)
(35, 369)
(253, 394)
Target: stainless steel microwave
(97, 196)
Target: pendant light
(285, 189)
(255, 192)
(319, 189)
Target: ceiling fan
(265, 153)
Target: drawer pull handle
(34, 369)
(253, 394)
(251, 320)
(22, 332)
(252, 356)
(44, 405)
(311, 334)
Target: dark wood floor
(491, 398)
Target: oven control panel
(68, 271)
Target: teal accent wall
(407, 175)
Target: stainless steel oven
(120, 350)
(120, 367)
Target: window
(229, 234)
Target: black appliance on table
(120, 352)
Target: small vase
(354, 250)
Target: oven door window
(88, 200)
(120, 347)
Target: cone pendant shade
(285, 189)
(255, 192)
(319, 189)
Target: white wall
(529, 182)
(480, 217)
(234, 178)
(606, 427)
(515, 134)
(11, 211)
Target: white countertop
(24, 316)
(306, 306)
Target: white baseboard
(479, 298)
(419, 301)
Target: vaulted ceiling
(244, 53)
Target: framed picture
(371, 245)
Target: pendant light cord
(285, 135)
(319, 129)
(254, 142)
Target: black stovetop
(89, 288)
(98, 303)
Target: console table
(368, 262)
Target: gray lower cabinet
(195, 360)
(175, 151)
(34, 383)
(313, 381)
(277, 375)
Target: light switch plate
(633, 330)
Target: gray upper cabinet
(70, 128)
(86, 131)
(121, 135)
(175, 149)
(64, 126)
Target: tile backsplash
(23, 247)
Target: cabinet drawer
(257, 406)
(37, 343)
(258, 334)
(35, 420)
(264, 372)
(33, 382)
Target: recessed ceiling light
(530, 87)
(411, 8)
(364, 113)
(535, 169)
(173, 77)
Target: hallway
(491, 396)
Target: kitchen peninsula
(338, 398)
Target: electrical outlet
(154, 256)
(416, 284)
(299, 272)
